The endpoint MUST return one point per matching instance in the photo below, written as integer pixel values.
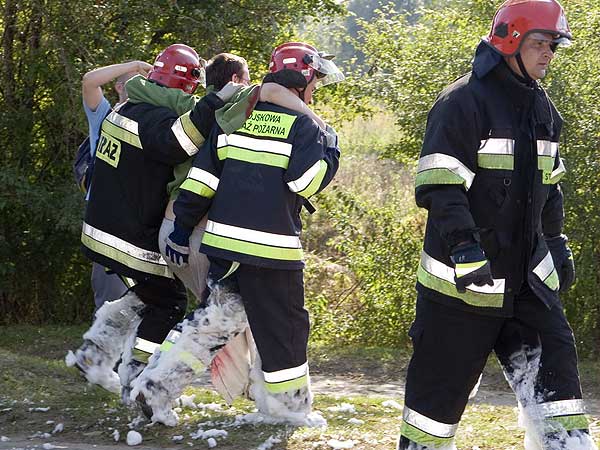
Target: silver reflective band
(441, 270)
(561, 169)
(301, 183)
(146, 346)
(261, 145)
(124, 246)
(123, 122)
(204, 177)
(428, 425)
(547, 148)
(562, 408)
(286, 374)
(442, 161)
(497, 146)
(545, 267)
(173, 336)
(184, 141)
(258, 237)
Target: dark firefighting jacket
(488, 171)
(139, 145)
(255, 182)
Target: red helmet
(517, 18)
(304, 58)
(178, 66)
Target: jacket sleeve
(447, 167)
(553, 215)
(171, 139)
(312, 164)
(198, 189)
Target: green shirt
(230, 117)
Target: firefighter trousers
(274, 303)
(536, 348)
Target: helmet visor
(557, 40)
(326, 71)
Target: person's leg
(219, 318)
(115, 324)
(450, 349)
(107, 286)
(274, 302)
(553, 407)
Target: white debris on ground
(187, 401)
(344, 407)
(48, 446)
(134, 438)
(213, 433)
(391, 404)
(58, 428)
(4, 439)
(355, 421)
(177, 438)
(211, 442)
(135, 422)
(116, 435)
(39, 409)
(335, 444)
(270, 442)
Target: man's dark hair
(222, 67)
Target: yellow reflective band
(198, 188)
(253, 157)
(166, 346)
(285, 386)
(109, 149)
(140, 355)
(191, 130)
(420, 437)
(121, 134)
(566, 423)
(313, 182)
(192, 362)
(268, 124)
(250, 248)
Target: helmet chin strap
(526, 75)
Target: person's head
(120, 85)
(527, 32)
(302, 68)
(225, 67)
(178, 66)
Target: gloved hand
(229, 90)
(563, 260)
(332, 137)
(178, 246)
(470, 266)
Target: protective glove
(178, 246)
(229, 90)
(470, 266)
(332, 137)
(563, 260)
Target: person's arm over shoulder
(448, 164)
(313, 163)
(173, 139)
(282, 96)
(141, 90)
(200, 186)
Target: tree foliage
(47, 45)
(417, 54)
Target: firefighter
(253, 184)
(230, 367)
(494, 257)
(138, 147)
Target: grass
(34, 376)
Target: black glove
(563, 260)
(470, 266)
